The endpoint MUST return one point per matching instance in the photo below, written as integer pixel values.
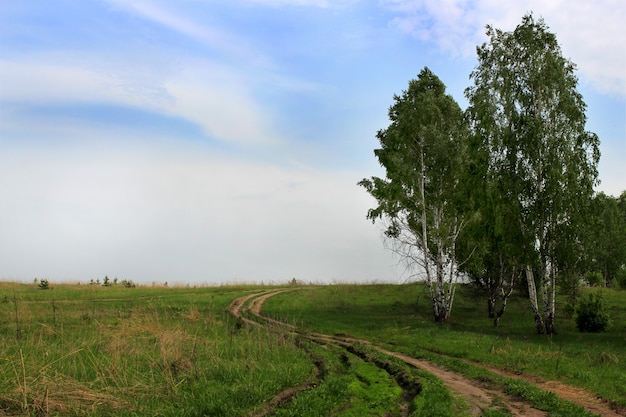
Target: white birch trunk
(532, 295)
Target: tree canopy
(500, 192)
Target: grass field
(90, 350)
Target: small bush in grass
(592, 314)
(594, 279)
(128, 284)
(43, 284)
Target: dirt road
(477, 395)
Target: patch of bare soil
(476, 396)
(576, 395)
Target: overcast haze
(210, 142)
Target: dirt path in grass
(241, 305)
(579, 396)
(477, 397)
(476, 394)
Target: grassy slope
(401, 316)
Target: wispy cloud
(220, 100)
(593, 35)
(151, 11)
(35, 80)
(213, 96)
(215, 93)
(183, 22)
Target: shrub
(592, 314)
(43, 284)
(594, 279)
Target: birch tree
(422, 152)
(526, 109)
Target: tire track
(478, 397)
(238, 309)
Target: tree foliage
(530, 120)
(605, 242)
(423, 152)
(519, 163)
(492, 243)
(493, 247)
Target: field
(341, 350)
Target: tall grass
(95, 351)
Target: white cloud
(592, 34)
(41, 80)
(220, 101)
(210, 95)
(442, 23)
(181, 214)
(183, 22)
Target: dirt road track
(475, 394)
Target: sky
(213, 142)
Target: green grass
(351, 387)
(143, 351)
(90, 350)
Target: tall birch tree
(526, 109)
(423, 153)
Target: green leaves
(420, 149)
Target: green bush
(594, 279)
(592, 314)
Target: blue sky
(209, 142)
